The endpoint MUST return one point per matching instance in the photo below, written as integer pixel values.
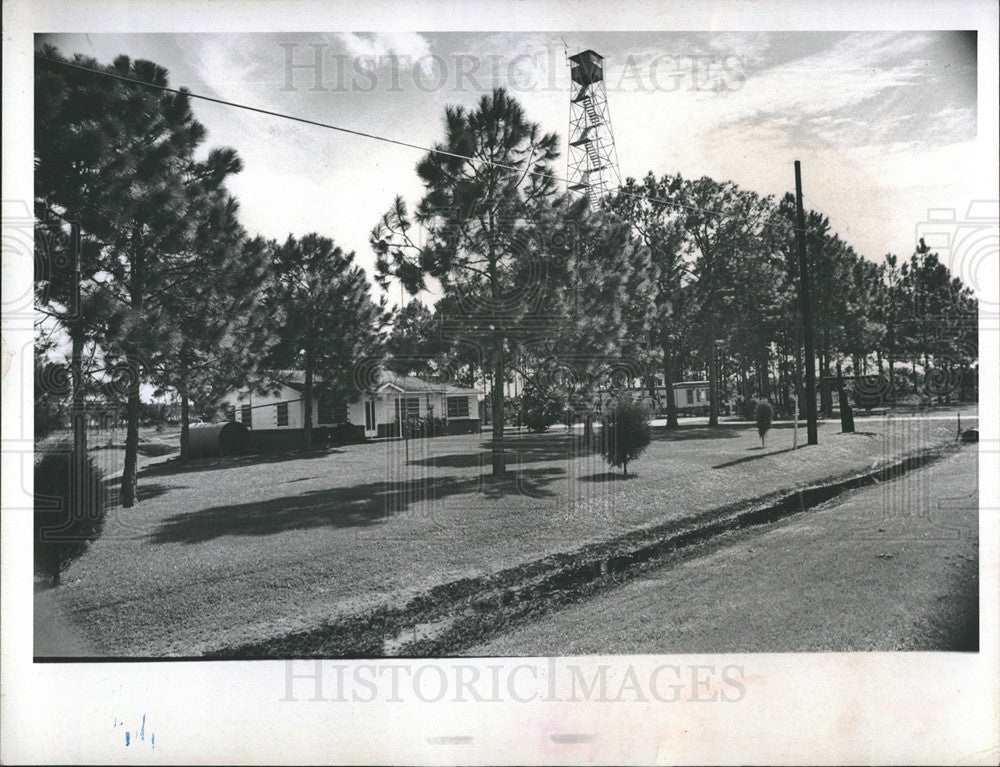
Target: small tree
(70, 505)
(625, 433)
(763, 415)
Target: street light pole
(806, 304)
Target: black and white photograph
(559, 366)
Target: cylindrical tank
(211, 439)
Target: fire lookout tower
(592, 162)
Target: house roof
(412, 384)
(295, 379)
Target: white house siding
(264, 408)
(432, 399)
(698, 389)
(429, 403)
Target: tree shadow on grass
(358, 506)
(607, 476)
(177, 466)
(142, 492)
(755, 457)
(697, 431)
(518, 449)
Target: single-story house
(396, 398)
(691, 397)
(276, 418)
(691, 394)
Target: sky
(883, 123)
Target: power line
(372, 136)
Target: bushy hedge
(625, 433)
(70, 505)
(416, 427)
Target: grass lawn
(890, 567)
(224, 552)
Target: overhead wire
(374, 136)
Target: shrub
(540, 408)
(421, 427)
(625, 433)
(867, 399)
(48, 417)
(744, 408)
(763, 415)
(70, 505)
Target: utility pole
(806, 304)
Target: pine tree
(658, 226)
(486, 185)
(202, 303)
(721, 224)
(119, 157)
(416, 345)
(322, 318)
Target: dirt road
(890, 567)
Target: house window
(701, 395)
(282, 414)
(690, 396)
(370, 414)
(458, 407)
(245, 415)
(231, 414)
(407, 407)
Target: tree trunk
(825, 392)
(79, 413)
(765, 381)
(624, 468)
(799, 384)
(499, 463)
(185, 417)
(668, 384)
(713, 372)
(132, 412)
(307, 405)
(747, 398)
(133, 406)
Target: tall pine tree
(486, 186)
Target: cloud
(409, 46)
(860, 67)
